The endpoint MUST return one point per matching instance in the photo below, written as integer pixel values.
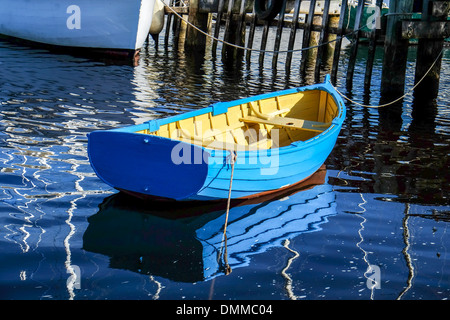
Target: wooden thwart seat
(280, 121)
(290, 123)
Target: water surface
(382, 200)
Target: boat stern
(147, 165)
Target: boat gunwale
(222, 107)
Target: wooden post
(337, 48)
(226, 36)
(240, 28)
(307, 37)
(354, 48)
(327, 58)
(372, 47)
(292, 35)
(169, 20)
(217, 27)
(313, 54)
(194, 39)
(278, 35)
(427, 52)
(264, 42)
(234, 31)
(323, 35)
(177, 27)
(251, 35)
(395, 51)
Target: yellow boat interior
(267, 123)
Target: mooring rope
(233, 157)
(398, 99)
(258, 50)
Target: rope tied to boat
(232, 158)
(398, 99)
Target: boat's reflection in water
(184, 242)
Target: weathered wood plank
(425, 29)
(291, 123)
(180, 10)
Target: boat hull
(258, 172)
(143, 164)
(100, 24)
(148, 165)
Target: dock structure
(325, 25)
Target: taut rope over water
(398, 99)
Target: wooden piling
(307, 37)
(234, 30)
(395, 50)
(355, 43)
(428, 51)
(251, 35)
(372, 48)
(327, 59)
(280, 25)
(168, 22)
(226, 36)
(217, 26)
(323, 36)
(264, 42)
(292, 34)
(337, 49)
(240, 26)
(195, 40)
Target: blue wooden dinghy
(262, 144)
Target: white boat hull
(98, 24)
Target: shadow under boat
(184, 242)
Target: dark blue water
(379, 211)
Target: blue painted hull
(143, 164)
